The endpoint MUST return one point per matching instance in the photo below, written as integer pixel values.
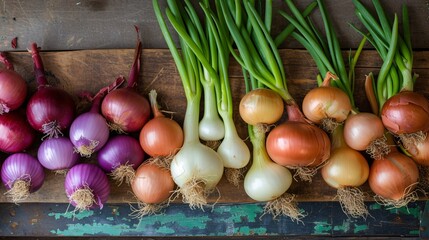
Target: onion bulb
(406, 113)
(22, 175)
(152, 186)
(326, 104)
(393, 178)
(261, 106)
(419, 151)
(365, 132)
(13, 88)
(124, 108)
(160, 136)
(346, 170)
(16, 134)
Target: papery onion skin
(16, 134)
(87, 175)
(57, 154)
(406, 112)
(22, 166)
(261, 106)
(50, 104)
(345, 167)
(126, 108)
(326, 102)
(419, 151)
(161, 136)
(152, 184)
(13, 90)
(392, 175)
(120, 150)
(361, 129)
(298, 144)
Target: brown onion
(345, 168)
(326, 102)
(261, 106)
(419, 151)
(393, 176)
(361, 129)
(152, 184)
(406, 112)
(298, 144)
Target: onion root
(378, 148)
(284, 206)
(19, 191)
(235, 175)
(352, 200)
(410, 195)
(124, 172)
(84, 198)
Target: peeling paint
(360, 228)
(322, 228)
(72, 215)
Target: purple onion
(87, 186)
(50, 110)
(120, 156)
(57, 154)
(22, 174)
(89, 131)
(16, 134)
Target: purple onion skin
(22, 166)
(57, 154)
(16, 134)
(88, 127)
(50, 104)
(91, 176)
(120, 150)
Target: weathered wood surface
(89, 70)
(95, 24)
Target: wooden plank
(93, 24)
(89, 70)
(235, 221)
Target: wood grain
(90, 70)
(104, 24)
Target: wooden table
(87, 44)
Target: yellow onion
(261, 106)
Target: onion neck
(154, 104)
(337, 138)
(96, 103)
(191, 120)
(260, 154)
(294, 113)
(6, 61)
(39, 70)
(135, 68)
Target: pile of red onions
(13, 88)
(22, 174)
(87, 186)
(50, 110)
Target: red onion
(13, 88)
(22, 174)
(87, 186)
(89, 131)
(16, 134)
(50, 110)
(124, 108)
(57, 154)
(121, 156)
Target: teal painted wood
(323, 219)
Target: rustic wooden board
(90, 24)
(89, 70)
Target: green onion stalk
(332, 104)
(196, 168)
(404, 113)
(210, 44)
